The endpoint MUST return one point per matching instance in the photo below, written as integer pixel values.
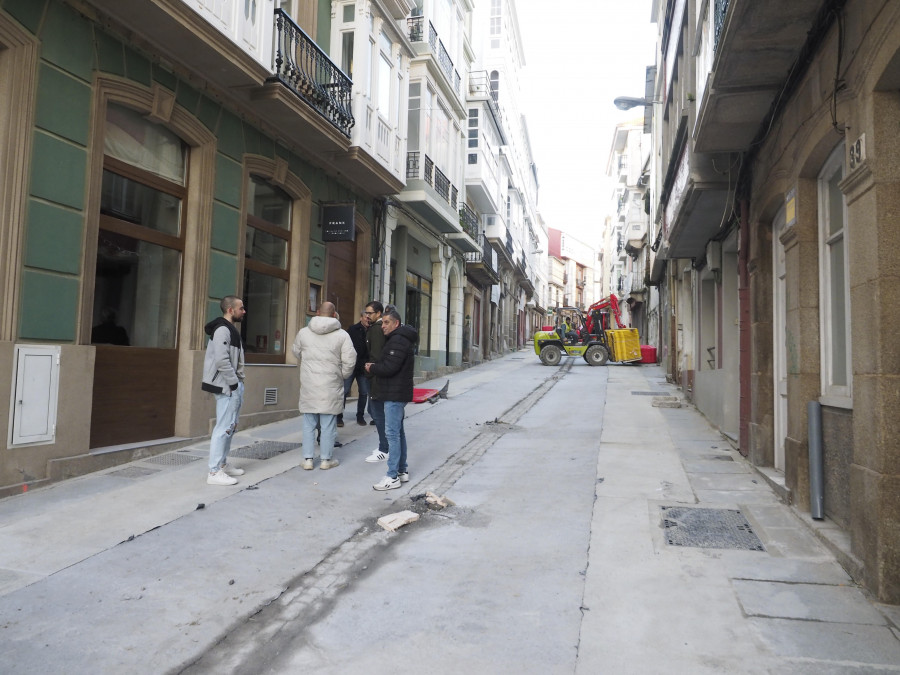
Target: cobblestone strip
(311, 595)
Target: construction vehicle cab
(589, 335)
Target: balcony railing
(307, 71)
(416, 27)
(485, 256)
(412, 165)
(468, 220)
(433, 176)
(720, 10)
(509, 244)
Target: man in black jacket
(394, 373)
(357, 334)
(374, 345)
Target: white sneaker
(307, 464)
(220, 478)
(233, 470)
(328, 464)
(377, 456)
(387, 483)
(403, 476)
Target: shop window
(141, 239)
(267, 235)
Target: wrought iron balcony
(468, 220)
(416, 27)
(412, 165)
(480, 265)
(433, 176)
(307, 71)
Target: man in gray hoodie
(327, 358)
(223, 376)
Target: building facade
(159, 156)
(775, 195)
(625, 240)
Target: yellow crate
(624, 344)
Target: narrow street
(554, 558)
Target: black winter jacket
(358, 336)
(374, 345)
(394, 370)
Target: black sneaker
(361, 421)
(340, 420)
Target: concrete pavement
(120, 571)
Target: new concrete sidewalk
(696, 565)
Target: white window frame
(840, 396)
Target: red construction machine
(590, 335)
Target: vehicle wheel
(596, 355)
(551, 355)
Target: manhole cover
(172, 459)
(133, 472)
(263, 450)
(651, 393)
(708, 528)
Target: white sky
(579, 56)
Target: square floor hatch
(263, 450)
(708, 528)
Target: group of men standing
(378, 353)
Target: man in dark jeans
(358, 336)
(374, 343)
(394, 374)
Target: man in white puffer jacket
(327, 358)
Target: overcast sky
(580, 55)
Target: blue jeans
(362, 386)
(228, 408)
(394, 412)
(376, 410)
(326, 440)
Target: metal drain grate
(133, 472)
(651, 393)
(708, 528)
(172, 459)
(263, 450)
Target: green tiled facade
(54, 238)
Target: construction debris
(434, 501)
(392, 521)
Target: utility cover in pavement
(263, 450)
(708, 528)
(173, 459)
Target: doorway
(341, 281)
(779, 339)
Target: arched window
(141, 238)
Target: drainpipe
(816, 462)
(744, 330)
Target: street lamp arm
(629, 102)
